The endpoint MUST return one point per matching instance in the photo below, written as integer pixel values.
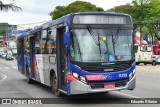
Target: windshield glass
(101, 45)
(9, 55)
(146, 48)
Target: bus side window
(52, 40)
(49, 41)
(44, 38)
(27, 45)
(37, 47)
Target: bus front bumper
(77, 87)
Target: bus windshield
(146, 48)
(101, 45)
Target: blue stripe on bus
(115, 75)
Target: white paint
(39, 68)
(15, 67)
(6, 67)
(132, 96)
(3, 76)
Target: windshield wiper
(93, 35)
(95, 38)
(115, 38)
(99, 45)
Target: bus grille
(106, 68)
(96, 85)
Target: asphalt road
(15, 86)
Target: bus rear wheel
(145, 63)
(55, 87)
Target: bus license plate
(109, 85)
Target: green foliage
(100, 9)
(78, 6)
(28, 29)
(11, 6)
(58, 12)
(145, 14)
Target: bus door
(32, 59)
(61, 57)
(22, 56)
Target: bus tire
(29, 80)
(137, 63)
(55, 86)
(154, 63)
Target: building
(8, 33)
(3, 33)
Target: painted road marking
(14, 67)
(126, 94)
(3, 76)
(6, 68)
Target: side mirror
(66, 38)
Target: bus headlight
(83, 79)
(75, 75)
(130, 76)
(134, 71)
(79, 77)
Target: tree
(78, 6)
(145, 13)
(28, 29)
(7, 7)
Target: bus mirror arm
(66, 38)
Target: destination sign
(99, 19)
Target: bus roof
(99, 13)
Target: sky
(34, 11)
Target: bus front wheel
(154, 63)
(55, 87)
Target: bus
(79, 53)
(143, 54)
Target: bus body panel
(77, 87)
(143, 56)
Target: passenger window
(37, 47)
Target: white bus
(143, 53)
